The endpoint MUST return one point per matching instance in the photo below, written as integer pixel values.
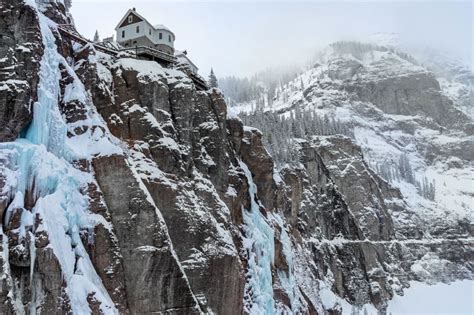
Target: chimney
(134, 9)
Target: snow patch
(421, 298)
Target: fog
(241, 38)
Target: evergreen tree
(405, 169)
(96, 37)
(67, 4)
(213, 79)
(279, 131)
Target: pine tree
(405, 169)
(96, 37)
(67, 4)
(213, 79)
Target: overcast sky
(243, 37)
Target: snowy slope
(434, 151)
(398, 110)
(454, 298)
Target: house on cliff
(137, 36)
(134, 30)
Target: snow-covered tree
(280, 132)
(213, 80)
(265, 84)
(405, 169)
(402, 170)
(96, 37)
(68, 4)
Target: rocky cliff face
(380, 224)
(21, 51)
(124, 190)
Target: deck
(150, 53)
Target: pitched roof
(126, 15)
(155, 27)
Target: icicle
(40, 161)
(48, 128)
(260, 245)
(32, 255)
(17, 202)
(287, 280)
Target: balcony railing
(149, 52)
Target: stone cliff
(125, 190)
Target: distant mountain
(407, 120)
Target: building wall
(165, 48)
(165, 38)
(131, 31)
(145, 41)
(131, 35)
(140, 41)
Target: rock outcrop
(21, 49)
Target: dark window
(130, 18)
(169, 38)
(134, 42)
(123, 34)
(138, 29)
(161, 35)
(150, 32)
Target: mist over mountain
(240, 38)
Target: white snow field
(421, 298)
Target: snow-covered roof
(182, 57)
(161, 27)
(158, 27)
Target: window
(138, 29)
(130, 18)
(161, 35)
(123, 34)
(149, 31)
(169, 38)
